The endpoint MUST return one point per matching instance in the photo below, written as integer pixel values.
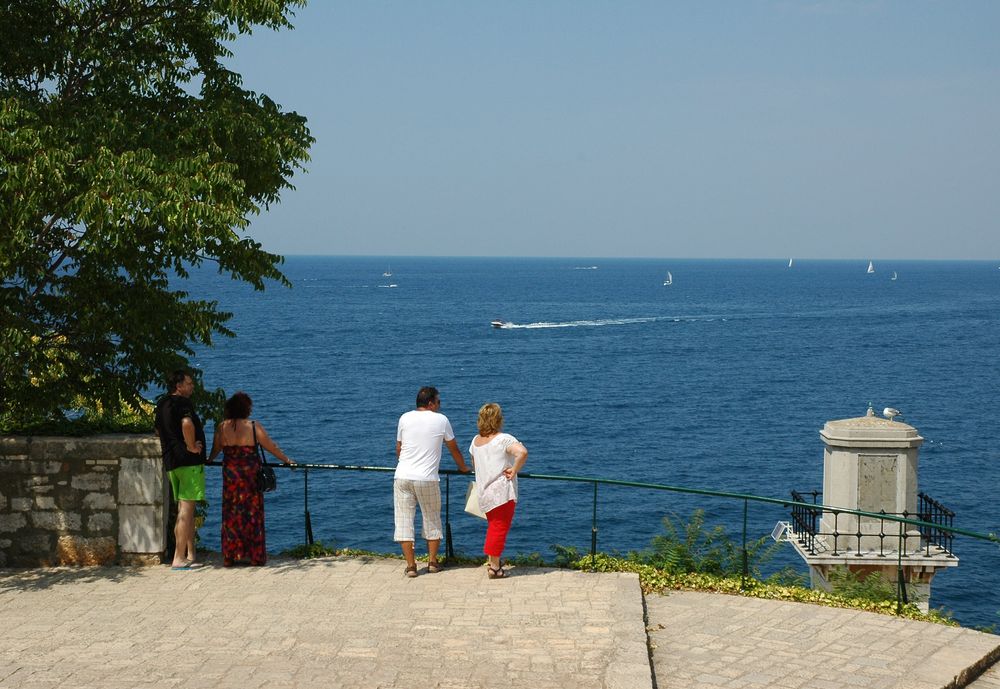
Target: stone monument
(870, 464)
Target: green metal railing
(595, 482)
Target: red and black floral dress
(242, 507)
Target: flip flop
(180, 568)
(191, 564)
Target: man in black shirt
(182, 442)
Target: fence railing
(933, 512)
(933, 520)
(809, 516)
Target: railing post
(593, 533)
(449, 551)
(836, 532)
(949, 538)
(746, 564)
(900, 579)
(305, 508)
(881, 534)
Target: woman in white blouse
(496, 457)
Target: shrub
(693, 547)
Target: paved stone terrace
(332, 622)
(355, 622)
(989, 680)
(707, 641)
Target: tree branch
(50, 272)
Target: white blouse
(490, 460)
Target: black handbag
(266, 480)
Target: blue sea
(721, 380)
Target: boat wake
(600, 323)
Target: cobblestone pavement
(707, 641)
(357, 622)
(333, 622)
(989, 680)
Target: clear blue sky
(769, 128)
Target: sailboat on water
(790, 262)
(893, 275)
(388, 272)
(669, 280)
(871, 267)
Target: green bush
(565, 555)
(872, 587)
(656, 580)
(310, 551)
(693, 547)
(788, 576)
(528, 560)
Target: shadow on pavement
(40, 579)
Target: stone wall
(81, 501)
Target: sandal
(410, 571)
(497, 573)
(434, 567)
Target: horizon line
(641, 258)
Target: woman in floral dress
(242, 502)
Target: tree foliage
(128, 154)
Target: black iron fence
(823, 529)
(933, 512)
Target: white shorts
(406, 495)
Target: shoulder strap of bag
(260, 450)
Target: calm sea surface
(721, 380)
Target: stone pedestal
(870, 464)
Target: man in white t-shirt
(419, 436)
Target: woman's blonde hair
(490, 419)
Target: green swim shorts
(188, 482)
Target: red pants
(497, 525)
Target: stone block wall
(81, 501)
